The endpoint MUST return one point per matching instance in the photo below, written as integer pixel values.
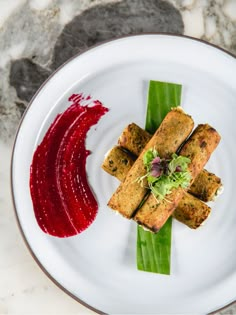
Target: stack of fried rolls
(125, 161)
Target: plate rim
(60, 286)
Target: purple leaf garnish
(178, 169)
(156, 170)
(156, 160)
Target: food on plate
(63, 202)
(133, 138)
(191, 211)
(154, 249)
(205, 187)
(118, 162)
(198, 148)
(174, 129)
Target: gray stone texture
(26, 77)
(95, 25)
(104, 22)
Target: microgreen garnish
(165, 174)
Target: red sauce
(63, 202)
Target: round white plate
(98, 266)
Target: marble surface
(37, 36)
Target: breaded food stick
(133, 138)
(205, 187)
(174, 129)
(190, 210)
(117, 163)
(154, 213)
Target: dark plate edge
(15, 140)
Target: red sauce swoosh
(63, 202)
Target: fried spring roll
(134, 139)
(199, 147)
(174, 129)
(190, 211)
(117, 162)
(205, 187)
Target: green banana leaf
(153, 251)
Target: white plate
(98, 266)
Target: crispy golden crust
(117, 163)
(175, 128)
(191, 211)
(205, 186)
(154, 213)
(134, 139)
(198, 148)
